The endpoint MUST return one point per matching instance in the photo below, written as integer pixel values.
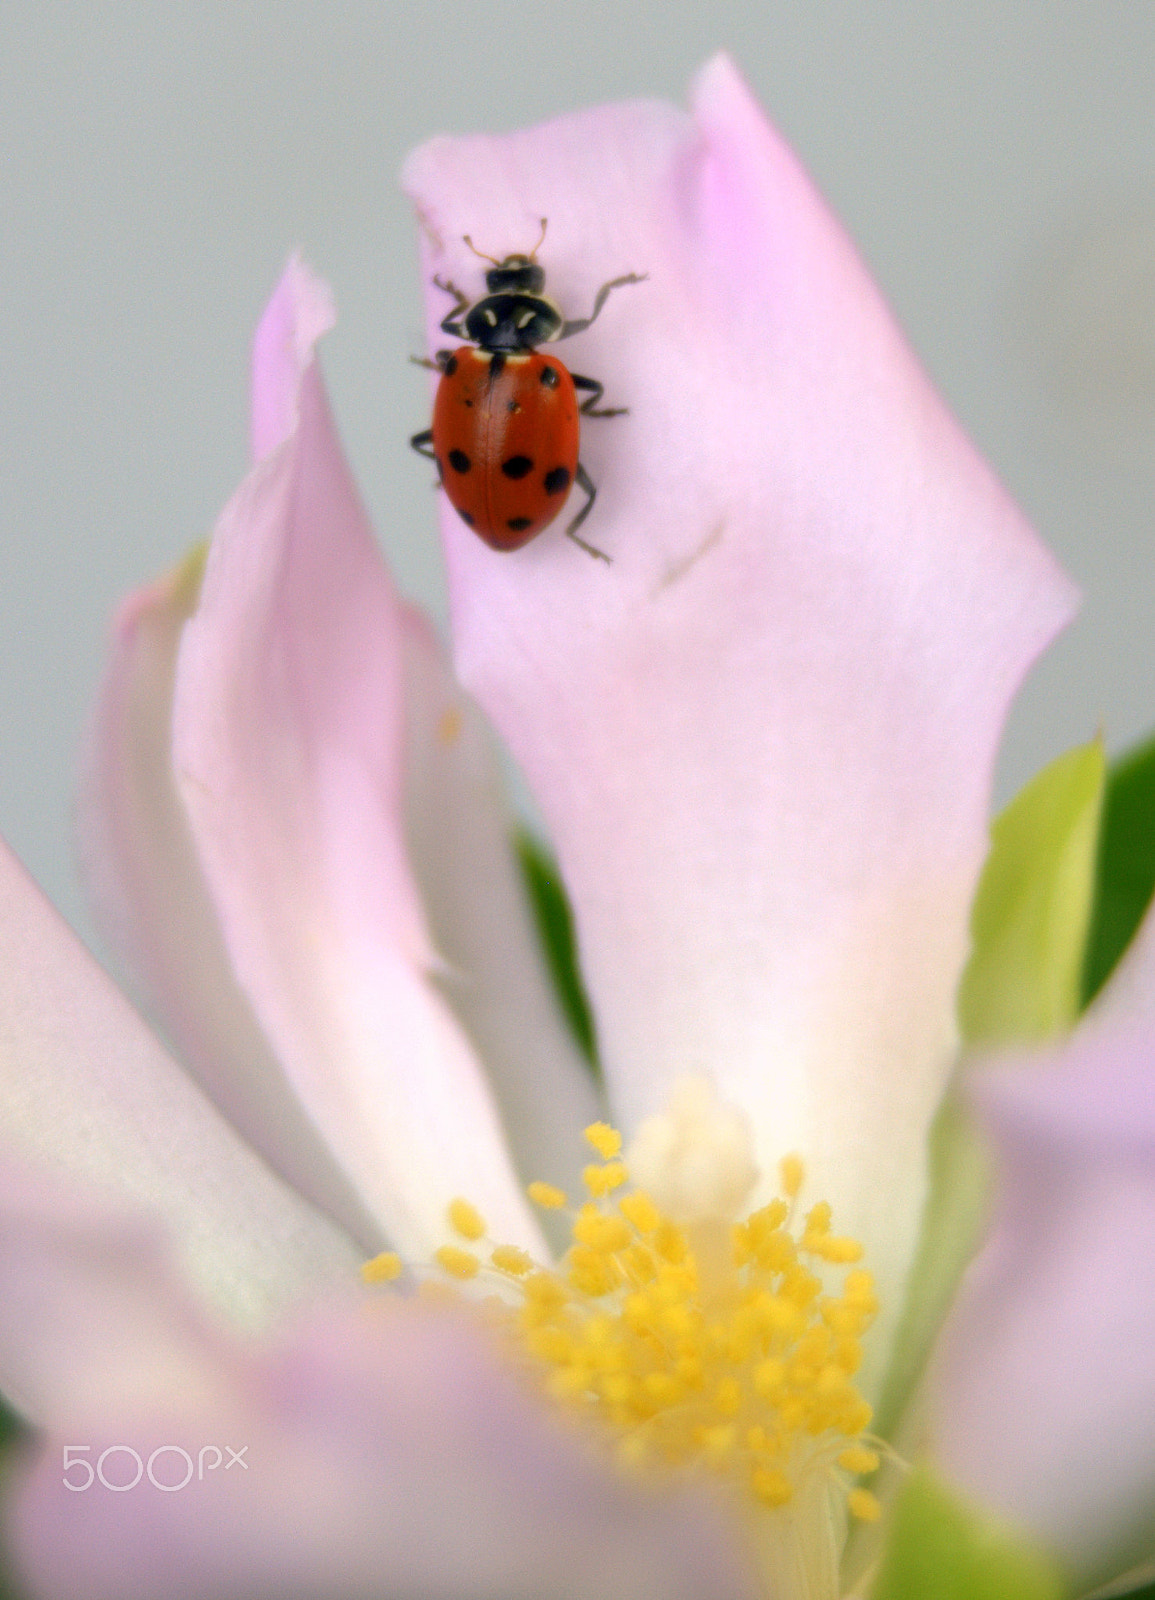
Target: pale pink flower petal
(459, 836)
(300, 311)
(151, 900)
(93, 1323)
(87, 1095)
(289, 749)
(385, 1457)
(762, 737)
(1045, 1378)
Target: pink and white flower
(762, 739)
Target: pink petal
(763, 736)
(87, 1095)
(459, 834)
(93, 1323)
(289, 751)
(300, 311)
(387, 1456)
(1045, 1383)
(152, 902)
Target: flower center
(692, 1340)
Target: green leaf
(942, 1549)
(1125, 873)
(1024, 981)
(12, 1432)
(555, 929)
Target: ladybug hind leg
(590, 407)
(423, 444)
(584, 481)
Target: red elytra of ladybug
(506, 419)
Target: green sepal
(555, 930)
(958, 1187)
(1024, 981)
(941, 1548)
(1125, 871)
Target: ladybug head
(515, 275)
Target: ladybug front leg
(439, 363)
(587, 407)
(584, 481)
(450, 323)
(581, 323)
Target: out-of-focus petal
(460, 832)
(88, 1094)
(300, 311)
(384, 1458)
(150, 897)
(763, 736)
(1045, 1383)
(93, 1324)
(288, 735)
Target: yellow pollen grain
(606, 1141)
(741, 1364)
(791, 1170)
(509, 1258)
(640, 1211)
(456, 1262)
(863, 1505)
(385, 1268)
(600, 1181)
(466, 1220)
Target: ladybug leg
(423, 444)
(438, 363)
(584, 481)
(581, 323)
(588, 407)
(450, 323)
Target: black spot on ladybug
(517, 466)
(459, 461)
(450, 367)
(518, 524)
(557, 480)
(549, 377)
(512, 405)
(466, 517)
(496, 365)
(469, 403)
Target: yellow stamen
(864, 1505)
(385, 1268)
(456, 1262)
(508, 1258)
(466, 1220)
(696, 1341)
(606, 1141)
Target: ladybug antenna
(465, 239)
(540, 240)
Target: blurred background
(994, 159)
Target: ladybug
(505, 420)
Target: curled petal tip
(300, 311)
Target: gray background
(996, 163)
